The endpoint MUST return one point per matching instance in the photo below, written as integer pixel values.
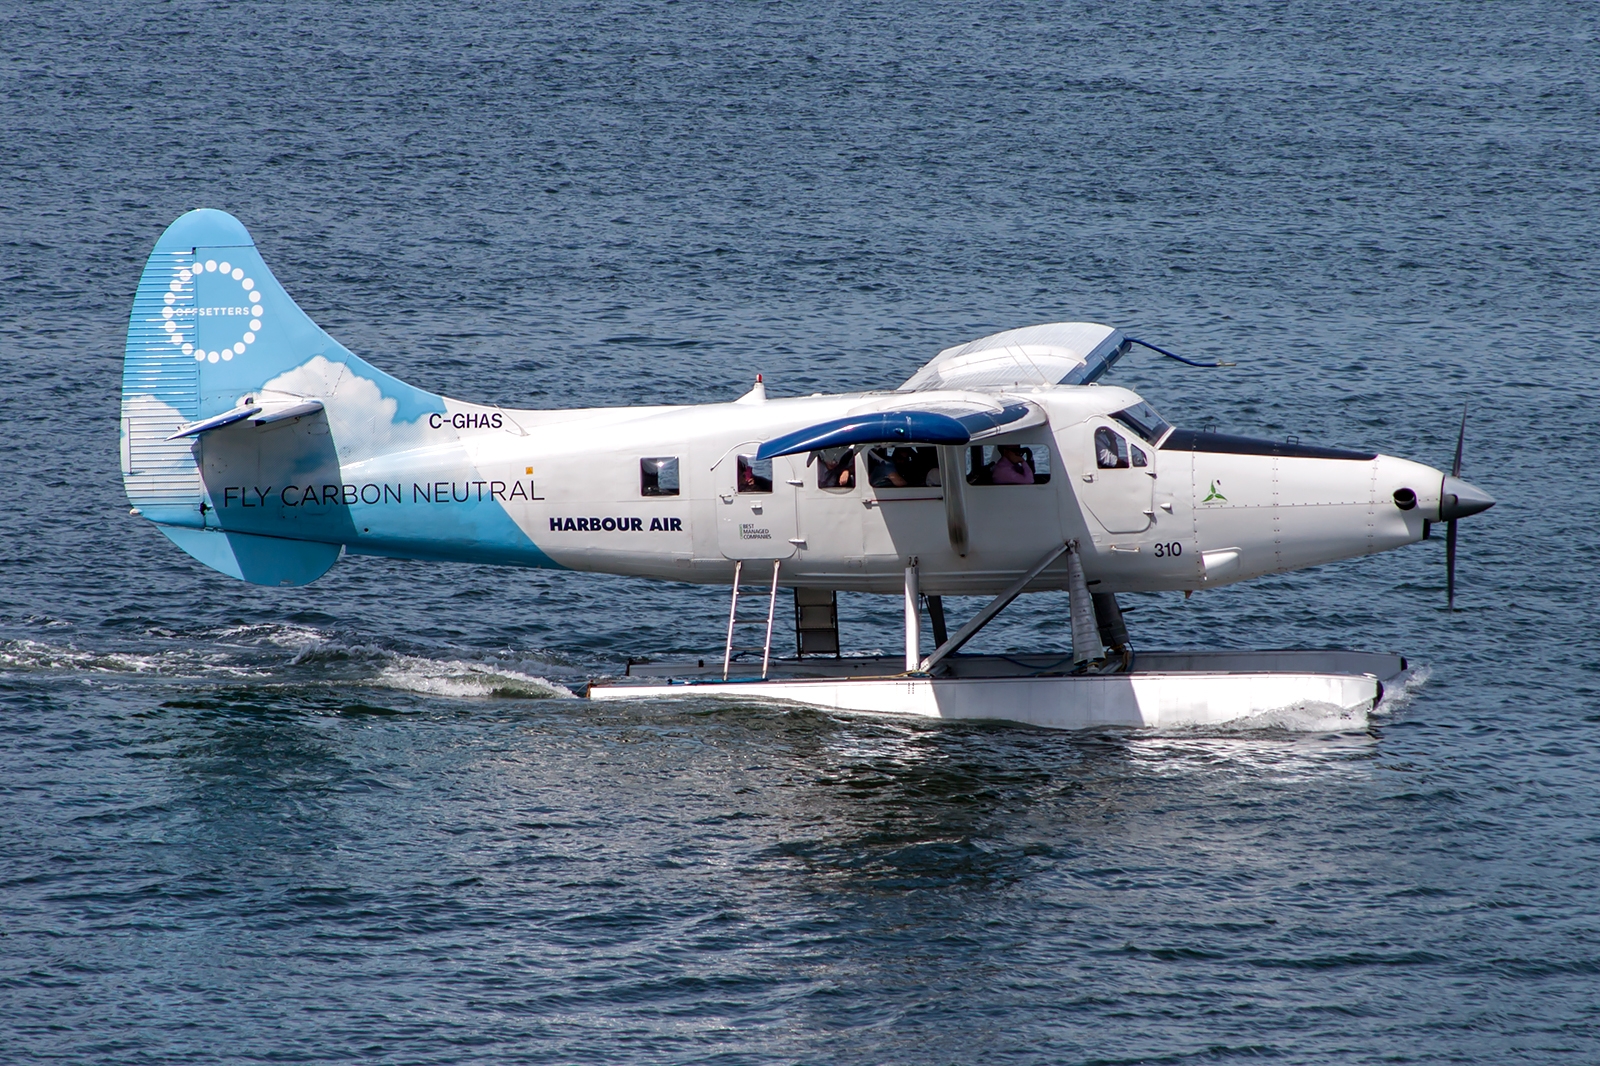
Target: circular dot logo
(188, 275)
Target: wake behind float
(267, 450)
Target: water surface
(367, 819)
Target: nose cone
(1458, 499)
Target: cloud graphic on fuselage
(360, 417)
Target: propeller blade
(1450, 562)
(1461, 438)
(1450, 527)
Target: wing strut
(994, 607)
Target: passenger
(750, 480)
(919, 466)
(1012, 467)
(837, 473)
(883, 470)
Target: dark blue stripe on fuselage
(1191, 440)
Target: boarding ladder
(735, 621)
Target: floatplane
(265, 449)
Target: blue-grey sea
(369, 820)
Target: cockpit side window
(658, 476)
(1143, 420)
(1110, 450)
(836, 468)
(755, 475)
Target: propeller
(1457, 500)
(1450, 529)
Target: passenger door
(903, 494)
(832, 518)
(755, 506)
(1013, 515)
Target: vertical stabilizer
(212, 330)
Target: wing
(935, 423)
(1067, 353)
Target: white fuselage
(571, 481)
(265, 449)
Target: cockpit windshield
(1143, 420)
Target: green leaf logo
(1214, 495)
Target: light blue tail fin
(213, 332)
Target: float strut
(994, 607)
(913, 617)
(936, 616)
(1113, 631)
(1085, 630)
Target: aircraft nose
(1458, 499)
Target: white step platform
(1162, 690)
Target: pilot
(1109, 451)
(1012, 467)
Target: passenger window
(755, 475)
(1008, 464)
(902, 467)
(836, 468)
(658, 477)
(1110, 450)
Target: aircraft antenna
(1175, 355)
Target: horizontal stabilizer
(226, 418)
(266, 411)
(898, 427)
(294, 410)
